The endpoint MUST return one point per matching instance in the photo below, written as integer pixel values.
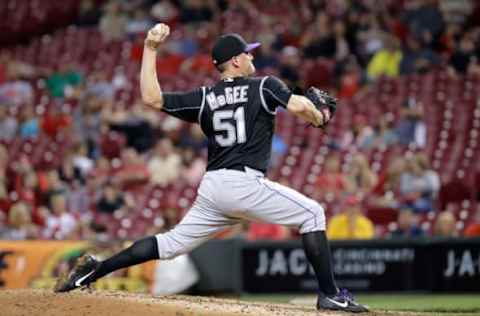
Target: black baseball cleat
(83, 268)
(342, 301)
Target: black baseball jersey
(238, 117)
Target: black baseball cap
(230, 45)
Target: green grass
(431, 304)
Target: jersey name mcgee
(233, 95)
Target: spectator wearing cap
(350, 223)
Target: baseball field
(103, 303)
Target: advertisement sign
(37, 264)
(456, 266)
(366, 266)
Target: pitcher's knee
(168, 247)
(315, 219)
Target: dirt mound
(102, 303)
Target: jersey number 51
(231, 124)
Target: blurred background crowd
(81, 157)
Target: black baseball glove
(322, 100)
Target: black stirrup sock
(318, 253)
(140, 251)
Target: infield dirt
(103, 303)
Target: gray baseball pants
(226, 197)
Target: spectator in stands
(386, 61)
(424, 19)
(60, 223)
(165, 164)
(164, 11)
(81, 161)
(63, 81)
(79, 199)
(417, 58)
(419, 185)
(133, 172)
(88, 14)
(5, 59)
(383, 134)
(406, 225)
(411, 129)
(359, 135)
(331, 182)
(101, 173)
(370, 36)
(120, 80)
(445, 225)
(139, 23)
(473, 229)
(428, 173)
(87, 122)
(350, 223)
(318, 40)
(111, 199)
(15, 90)
(360, 177)
(279, 149)
(4, 198)
(264, 57)
(67, 171)
(351, 77)
(113, 22)
(342, 50)
(388, 185)
(29, 191)
(289, 66)
(55, 121)
(99, 86)
(8, 124)
(20, 225)
(136, 124)
(193, 138)
(54, 185)
(193, 167)
(194, 11)
(464, 55)
(29, 123)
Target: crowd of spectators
(347, 45)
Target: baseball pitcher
(237, 115)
